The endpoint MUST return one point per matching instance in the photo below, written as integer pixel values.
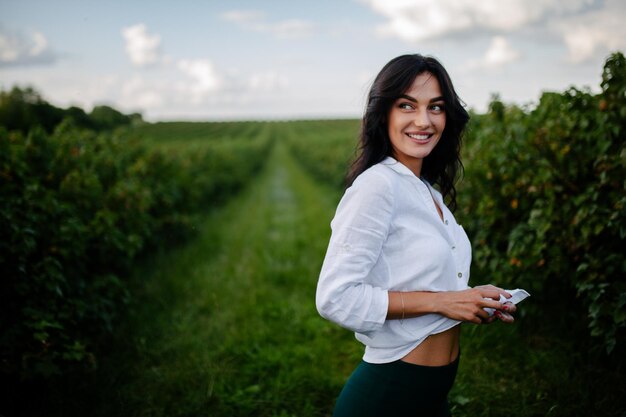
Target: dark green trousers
(397, 389)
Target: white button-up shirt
(387, 236)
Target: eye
(405, 106)
(437, 108)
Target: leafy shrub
(544, 200)
(77, 207)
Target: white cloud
(9, 48)
(142, 48)
(498, 54)
(599, 31)
(137, 93)
(40, 43)
(17, 49)
(416, 20)
(256, 21)
(202, 80)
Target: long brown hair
(443, 165)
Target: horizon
(310, 60)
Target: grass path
(227, 326)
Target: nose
(422, 117)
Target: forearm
(465, 305)
(412, 304)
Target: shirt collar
(397, 166)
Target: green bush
(77, 207)
(544, 201)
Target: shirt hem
(378, 360)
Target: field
(225, 325)
(169, 269)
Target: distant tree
(79, 117)
(106, 117)
(46, 115)
(16, 108)
(23, 109)
(135, 118)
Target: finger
(483, 314)
(505, 317)
(500, 291)
(487, 302)
(495, 293)
(509, 307)
(488, 287)
(490, 293)
(494, 288)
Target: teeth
(419, 137)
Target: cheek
(442, 122)
(393, 126)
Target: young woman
(397, 266)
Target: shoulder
(376, 177)
(372, 188)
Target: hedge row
(545, 201)
(77, 207)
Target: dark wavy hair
(442, 167)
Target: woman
(397, 266)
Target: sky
(281, 60)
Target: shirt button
(453, 247)
(446, 222)
(460, 275)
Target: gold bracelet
(402, 301)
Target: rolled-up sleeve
(346, 294)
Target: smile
(419, 136)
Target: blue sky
(213, 60)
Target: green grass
(226, 326)
(191, 136)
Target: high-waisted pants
(397, 389)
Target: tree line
(22, 109)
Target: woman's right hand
(469, 305)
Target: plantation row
(543, 200)
(324, 149)
(543, 203)
(77, 208)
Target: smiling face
(416, 121)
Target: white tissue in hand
(517, 295)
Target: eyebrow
(414, 100)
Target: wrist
(437, 302)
